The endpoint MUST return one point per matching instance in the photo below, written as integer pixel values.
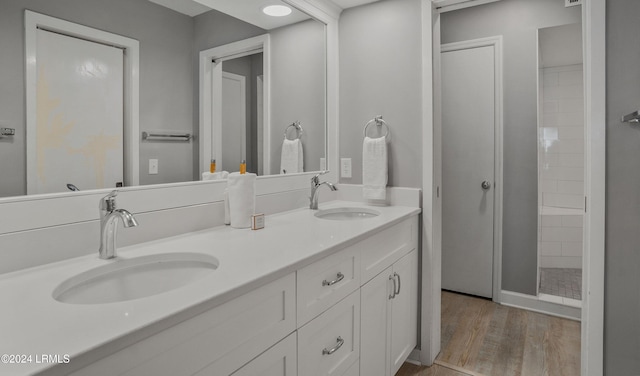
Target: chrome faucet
(315, 185)
(108, 224)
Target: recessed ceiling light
(276, 10)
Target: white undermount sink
(346, 214)
(133, 278)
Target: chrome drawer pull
(393, 293)
(399, 285)
(330, 283)
(335, 348)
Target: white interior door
(234, 124)
(468, 149)
(79, 115)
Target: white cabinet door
(330, 344)
(280, 360)
(404, 310)
(375, 325)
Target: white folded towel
(374, 168)
(242, 198)
(215, 176)
(292, 158)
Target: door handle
(486, 185)
(339, 278)
(399, 284)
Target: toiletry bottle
(243, 167)
(212, 167)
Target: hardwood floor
(482, 338)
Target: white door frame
(496, 43)
(594, 51)
(243, 110)
(34, 21)
(211, 93)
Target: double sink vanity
(317, 292)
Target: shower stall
(560, 164)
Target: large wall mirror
(258, 104)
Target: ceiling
(248, 10)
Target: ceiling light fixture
(276, 10)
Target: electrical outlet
(345, 167)
(153, 166)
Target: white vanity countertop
(33, 323)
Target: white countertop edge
(118, 336)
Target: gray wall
(380, 74)
(166, 94)
(298, 72)
(517, 21)
(622, 259)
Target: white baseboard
(414, 357)
(532, 303)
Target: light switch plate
(153, 166)
(345, 167)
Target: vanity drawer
(330, 343)
(326, 282)
(380, 251)
(230, 335)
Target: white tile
(548, 185)
(572, 302)
(570, 78)
(560, 262)
(550, 248)
(549, 160)
(563, 92)
(570, 133)
(571, 249)
(551, 221)
(549, 133)
(566, 186)
(571, 105)
(562, 200)
(562, 234)
(550, 298)
(563, 173)
(571, 160)
(550, 79)
(570, 119)
(572, 220)
(550, 107)
(569, 147)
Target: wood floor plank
(480, 337)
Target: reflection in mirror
(169, 43)
(289, 65)
(560, 159)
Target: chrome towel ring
(298, 128)
(379, 122)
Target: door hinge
(585, 204)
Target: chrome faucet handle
(108, 202)
(316, 178)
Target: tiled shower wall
(561, 184)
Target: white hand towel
(242, 198)
(292, 157)
(215, 176)
(374, 168)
